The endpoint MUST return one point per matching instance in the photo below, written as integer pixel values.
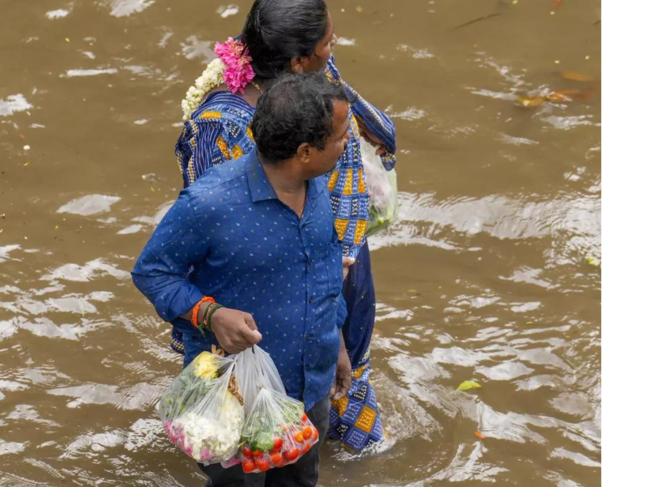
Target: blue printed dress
(219, 131)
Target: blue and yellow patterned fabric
(218, 132)
(355, 419)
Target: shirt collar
(261, 188)
(258, 183)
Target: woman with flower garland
(282, 36)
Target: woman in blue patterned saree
(294, 36)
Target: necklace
(257, 86)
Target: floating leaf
(573, 76)
(469, 384)
(479, 435)
(591, 261)
(533, 102)
(557, 4)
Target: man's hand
(343, 379)
(347, 262)
(235, 330)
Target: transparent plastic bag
(202, 409)
(382, 189)
(277, 432)
(256, 370)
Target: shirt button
(311, 299)
(310, 262)
(309, 337)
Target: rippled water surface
(491, 274)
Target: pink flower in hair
(238, 72)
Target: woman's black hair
(297, 109)
(278, 30)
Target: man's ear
(305, 152)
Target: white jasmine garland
(211, 77)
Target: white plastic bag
(382, 189)
(255, 370)
(202, 410)
(277, 431)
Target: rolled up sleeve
(161, 271)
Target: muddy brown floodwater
(491, 274)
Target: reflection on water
(491, 274)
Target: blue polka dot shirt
(229, 236)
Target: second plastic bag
(382, 190)
(277, 432)
(202, 410)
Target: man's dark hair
(298, 108)
(278, 30)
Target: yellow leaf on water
(591, 261)
(573, 76)
(533, 102)
(468, 384)
(67, 39)
(26, 164)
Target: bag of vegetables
(277, 432)
(202, 409)
(382, 190)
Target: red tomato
(277, 444)
(315, 434)
(248, 466)
(291, 454)
(262, 464)
(276, 458)
(304, 417)
(258, 454)
(298, 437)
(306, 432)
(306, 448)
(246, 451)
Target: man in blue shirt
(258, 237)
